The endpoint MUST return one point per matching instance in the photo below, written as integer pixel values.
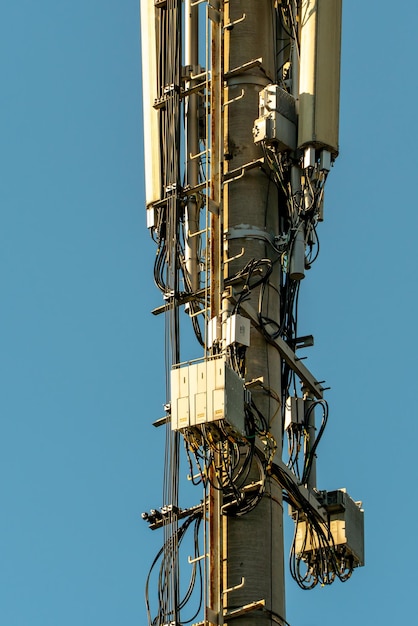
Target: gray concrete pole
(253, 543)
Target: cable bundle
(168, 557)
(219, 457)
(314, 558)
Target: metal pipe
(310, 440)
(192, 147)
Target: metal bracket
(307, 496)
(193, 477)
(231, 25)
(198, 155)
(247, 608)
(197, 233)
(180, 514)
(213, 207)
(287, 353)
(180, 300)
(199, 312)
(241, 69)
(190, 90)
(198, 558)
(239, 586)
(212, 617)
(161, 421)
(237, 256)
(239, 172)
(307, 341)
(190, 191)
(214, 12)
(228, 102)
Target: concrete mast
(235, 225)
(252, 544)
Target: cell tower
(241, 115)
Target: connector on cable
(158, 516)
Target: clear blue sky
(81, 358)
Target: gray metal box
(346, 525)
(277, 118)
(274, 98)
(276, 128)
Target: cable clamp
(246, 231)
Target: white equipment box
(207, 392)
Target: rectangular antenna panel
(319, 74)
(152, 156)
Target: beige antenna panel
(152, 159)
(319, 78)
